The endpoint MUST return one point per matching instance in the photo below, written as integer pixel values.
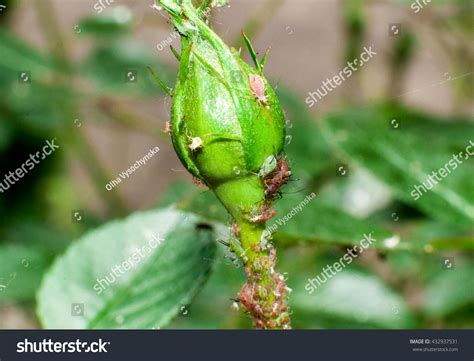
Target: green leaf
(223, 284)
(32, 104)
(354, 297)
(404, 157)
(450, 290)
(436, 236)
(305, 219)
(315, 223)
(149, 294)
(176, 192)
(356, 192)
(21, 270)
(18, 56)
(114, 22)
(123, 67)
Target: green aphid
(268, 166)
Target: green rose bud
(228, 129)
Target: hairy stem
(264, 294)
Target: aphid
(197, 181)
(247, 298)
(264, 215)
(235, 305)
(255, 247)
(268, 166)
(167, 129)
(248, 272)
(235, 262)
(196, 144)
(257, 86)
(235, 229)
(277, 179)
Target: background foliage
(361, 167)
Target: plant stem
(264, 294)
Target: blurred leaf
(307, 150)
(223, 284)
(300, 219)
(18, 56)
(354, 297)
(356, 192)
(31, 100)
(28, 246)
(30, 230)
(405, 156)
(113, 22)
(450, 290)
(316, 223)
(123, 67)
(435, 236)
(39, 108)
(150, 294)
(176, 192)
(5, 134)
(21, 271)
(206, 204)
